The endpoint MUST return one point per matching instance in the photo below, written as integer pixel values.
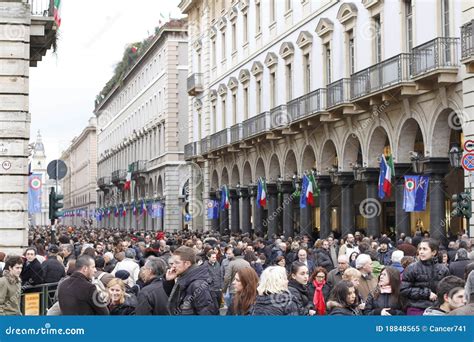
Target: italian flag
(225, 202)
(262, 193)
(57, 12)
(144, 210)
(128, 180)
(134, 209)
(124, 211)
(310, 190)
(385, 177)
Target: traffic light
(54, 205)
(462, 205)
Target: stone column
(272, 202)
(324, 184)
(436, 169)
(257, 213)
(402, 218)
(287, 190)
(346, 181)
(246, 211)
(235, 211)
(373, 207)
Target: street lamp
(357, 168)
(417, 162)
(332, 173)
(455, 156)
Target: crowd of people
(113, 272)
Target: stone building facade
(290, 87)
(143, 128)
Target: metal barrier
(46, 296)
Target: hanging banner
(415, 193)
(34, 193)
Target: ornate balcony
(138, 169)
(192, 150)
(43, 29)
(338, 94)
(307, 105)
(435, 62)
(220, 139)
(195, 84)
(256, 125)
(104, 183)
(205, 146)
(467, 46)
(119, 177)
(389, 75)
(236, 136)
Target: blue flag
(415, 193)
(34, 193)
(304, 189)
(212, 210)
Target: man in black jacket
(77, 295)
(53, 269)
(31, 273)
(215, 274)
(152, 298)
(188, 285)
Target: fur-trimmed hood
(11, 278)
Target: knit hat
(384, 240)
(53, 249)
(122, 274)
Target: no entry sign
(469, 146)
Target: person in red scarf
(319, 290)
(385, 299)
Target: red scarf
(318, 299)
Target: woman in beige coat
(10, 287)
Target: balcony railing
(382, 75)
(138, 167)
(191, 150)
(467, 40)
(220, 139)
(279, 117)
(205, 145)
(255, 125)
(438, 53)
(307, 104)
(103, 181)
(43, 8)
(338, 92)
(195, 84)
(119, 175)
(236, 133)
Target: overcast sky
(92, 39)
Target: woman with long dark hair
(245, 284)
(343, 300)
(298, 286)
(385, 299)
(420, 279)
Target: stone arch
(352, 152)
(260, 169)
(308, 159)
(159, 187)
(447, 120)
(150, 188)
(329, 157)
(290, 166)
(274, 171)
(225, 177)
(235, 176)
(407, 138)
(215, 180)
(377, 141)
(247, 175)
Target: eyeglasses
(320, 277)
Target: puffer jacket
(419, 280)
(336, 309)
(300, 296)
(385, 258)
(322, 258)
(374, 306)
(191, 293)
(127, 308)
(275, 304)
(10, 293)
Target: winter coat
(275, 304)
(78, 296)
(234, 266)
(10, 294)
(333, 278)
(336, 309)
(53, 270)
(374, 306)
(385, 258)
(109, 267)
(367, 284)
(322, 258)
(152, 299)
(458, 267)
(127, 308)
(300, 296)
(419, 280)
(434, 311)
(215, 274)
(191, 293)
(31, 274)
(326, 291)
(398, 266)
(466, 310)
